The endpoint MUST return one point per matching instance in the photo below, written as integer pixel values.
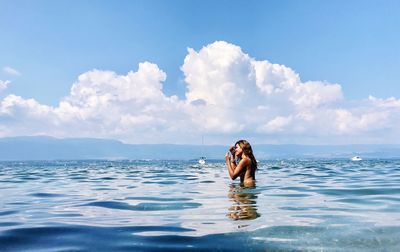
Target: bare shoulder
(246, 161)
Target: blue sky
(355, 44)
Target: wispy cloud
(229, 94)
(4, 84)
(11, 71)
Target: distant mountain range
(50, 148)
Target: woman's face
(238, 150)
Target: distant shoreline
(49, 148)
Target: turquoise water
(319, 205)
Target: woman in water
(241, 162)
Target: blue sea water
(297, 205)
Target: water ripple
(145, 205)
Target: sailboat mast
(202, 146)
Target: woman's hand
(227, 157)
(232, 150)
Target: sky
(301, 72)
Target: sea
(178, 205)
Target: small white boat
(202, 161)
(356, 158)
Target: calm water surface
(322, 205)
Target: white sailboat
(202, 159)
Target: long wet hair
(248, 151)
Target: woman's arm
(230, 163)
(235, 170)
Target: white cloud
(275, 125)
(229, 94)
(4, 84)
(242, 94)
(11, 71)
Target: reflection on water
(244, 203)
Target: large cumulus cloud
(229, 94)
(129, 107)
